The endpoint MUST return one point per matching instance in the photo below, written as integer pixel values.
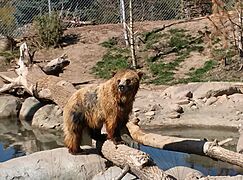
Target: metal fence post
(49, 7)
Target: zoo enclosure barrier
(17, 15)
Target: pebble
(174, 115)
(150, 113)
(136, 109)
(183, 102)
(210, 101)
(176, 108)
(155, 107)
(238, 112)
(194, 107)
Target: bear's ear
(140, 75)
(113, 73)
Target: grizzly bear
(109, 103)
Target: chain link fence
(16, 15)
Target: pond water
(18, 140)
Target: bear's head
(126, 82)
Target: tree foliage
(49, 30)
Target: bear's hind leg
(72, 140)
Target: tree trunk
(240, 34)
(193, 146)
(138, 161)
(123, 21)
(134, 60)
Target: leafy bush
(49, 30)
(110, 63)
(7, 20)
(198, 74)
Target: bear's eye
(118, 81)
(128, 81)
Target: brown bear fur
(109, 103)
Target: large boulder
(112, 173)
(201, 90)
(29, 108)
(48, 117)
(239, 147)
(9, 106)
(184, 173)
(53, 164)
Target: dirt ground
(87, 51)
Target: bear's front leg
(113, 132)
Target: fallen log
(188, 145)
(138, 161)
(56, 66)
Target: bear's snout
(122, 88)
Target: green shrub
(110, 63)
(110, 43)
(49, 30)
(198, 74)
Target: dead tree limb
(193, 146)
(132, 46)
(56, 66)
(138, 161)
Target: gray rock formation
(9, 106)
(113, 173)
(53, 164)
(29, 108)
(48, 117)
(184, 173)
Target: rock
(29, 108)
(199, 102)
(210, 101)
(176, 108)
(150, 113)
(136, 114)
(239, 147)
(155, 107)
(236, 98)
(174, 115)
(9, 106)
(215, 89)
(112, 173)
(136, 110)
(223, 91)
(48, 117)
(224, 98)
(53, 164)
(238, 113)
(183, 102)
(181, 91)
(194, 107)
(201, 90)
(184, 173)
(191, 104)
(184, 95)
